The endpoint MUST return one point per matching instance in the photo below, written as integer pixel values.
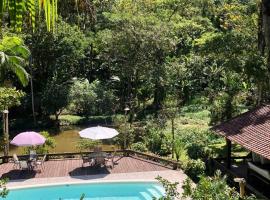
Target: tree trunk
(6, 135)
(229, 107)
(264, 34)
(32, 96)
(173, 138)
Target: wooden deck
(73, 167)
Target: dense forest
(173, 63)
(105, 55)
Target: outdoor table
(97, 154)
(31, 163)
(24, 164)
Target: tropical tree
(19, 10)
(9, 97)
(13, 57)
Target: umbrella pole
(6, 135)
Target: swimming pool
(92, 191)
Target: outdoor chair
(24, 165)
(100, 161)
(111, 157)
(16, 161)
(41, 162)
(87, 159)
(33, 155)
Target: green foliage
(13, 58)
(86, 144)
(83, 98)
(46, 147)
(194, 168)
(179, 148)
(91, 99)
(18, 12)
(196, 142)
(10, 97)
(3, 190)
(55, 97)
(211, 188)
(139, 146)
(157, 142)
(170, 189)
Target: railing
(155, 158)
(216, 164)
(59, 156)
(78, 155)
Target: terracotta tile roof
(251, 130)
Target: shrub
(211, 188)
(86, 144)
(179, 148)
(170, 189)
(157, 142)
(197, 150)
(3, 189)
(197, 142)
(194, 168)
(45, 148)
(139, 146)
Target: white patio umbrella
(98, 133)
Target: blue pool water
(97, 191)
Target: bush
(194, 168)
(179, 149)
(197, 142)
(170, 189)
(139, 146)
(45, 148)
(3, 189)
(157, 142)
(211, 188)
(197, 150)
(86, 144)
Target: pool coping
(131, 177)
(82, 182)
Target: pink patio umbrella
(28, 139)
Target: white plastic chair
(16, 161)
(41, 162)
(32, 155)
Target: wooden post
(242, 184)
(6, 135)
(229, 153)
(172, 120)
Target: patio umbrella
(98, 133)
(28, 139)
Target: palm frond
(13, 57)
(22, 51)
(21, 73)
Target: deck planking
(73, 167)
